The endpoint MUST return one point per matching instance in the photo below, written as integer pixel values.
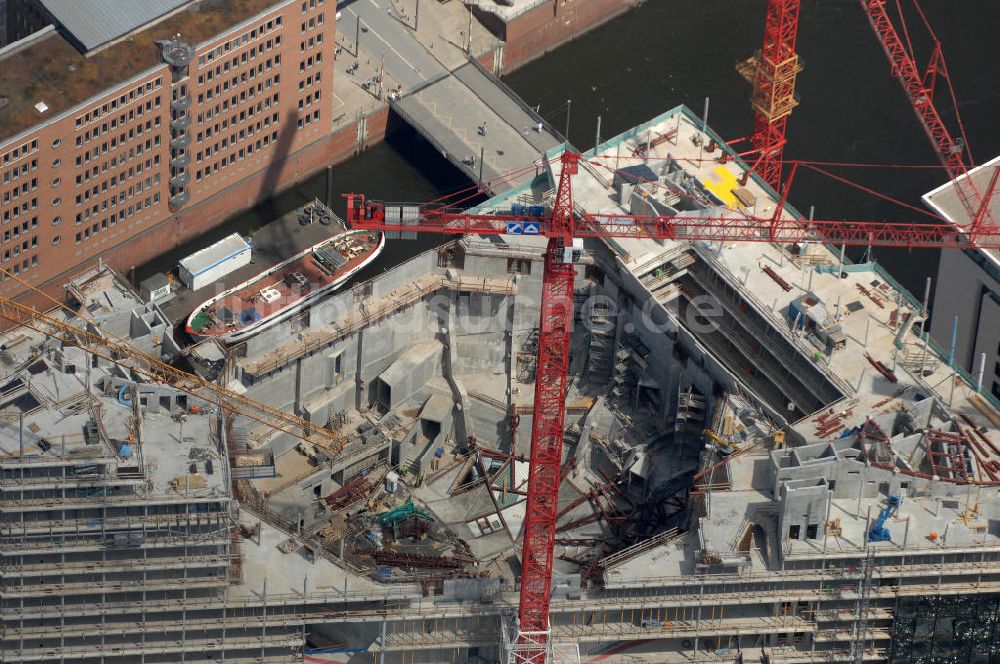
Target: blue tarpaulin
(250, 315)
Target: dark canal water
(669, 52)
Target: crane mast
(554, 328)
(772, 72)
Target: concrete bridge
(449, 111)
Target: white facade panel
(212, 263)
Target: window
(55, 220)
(518, 266)
(57, 182)
(56, 201)
(793, 532)
(56, 163)
(56, 143)
(56, 240)
(812, 531)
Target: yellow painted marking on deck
(721, 182)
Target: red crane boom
(556, 320)
(920, 88)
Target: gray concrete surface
(384, 35)
(450, 112)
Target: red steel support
(554, 328)
(728, 228)
(773, 77)
(954, 154)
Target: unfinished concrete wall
(407, 374)
(479, 326)
(659, 329)
(804, 505)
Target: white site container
(212, 263)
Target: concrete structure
(673, 547)
(967, 294)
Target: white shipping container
(212, 263)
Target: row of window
(234, 63)
(19, 152)
(23, 266)
(121, 159)
(107, 127)
(312, 42)
(310, 61)
(20, 190)
(132, 190)
(118, 199)
(113, 105)
(19, 171)
(132, 171)
(245, 77)
(113, 220)
(311, 4)
(240, 155)
(89, 155)
(310, 79)
(308, 100)
(313, 22)
(309, 118)
(226, 105)
(15, 211)
(22, 247)
(245, 38)
(244, 132)
(19, 229)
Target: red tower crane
(920, 89)
(772, 72)
(561, 226)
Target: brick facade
(549, 25)
(102, 180)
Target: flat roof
(209, 257)
(946, 199)
(52, 71)
(96, 22)
(507, 10)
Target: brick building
(205, 96)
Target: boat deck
(262, 298)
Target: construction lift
(878, 532)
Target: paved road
(406, 59)
(450, 113)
